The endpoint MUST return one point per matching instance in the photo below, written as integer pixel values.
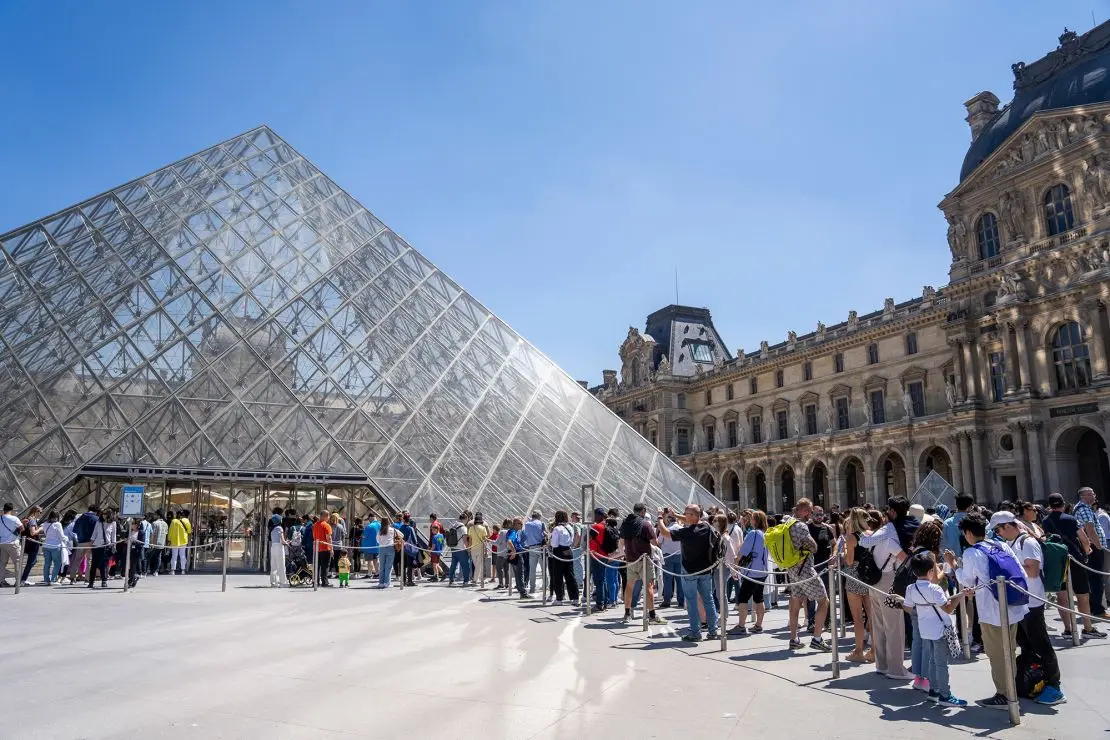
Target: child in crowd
(344, 566)
(934, 614)
(439, 544)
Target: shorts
(635, 572)
(1080, 579)
(750, 591)
(812, 589)
(435, 558)
(371, 557)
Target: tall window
(878, 407)
(654, 438)
(1071, 357)
(753, 385)
(872, 353)
(680, 401)
(998, 374)
(728, 392)
(778, 378)
(807, 370)
(731, 429)
(838, 362)
(710, 438)
(917, 397)
(781, 423)
(682, 445)
(757, 428)
(911, 343)
(811, 418)
(986, 229)
(1057, 210)
(709, 397)
(843, 421)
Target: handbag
(955, 649)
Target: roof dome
(1076, 73)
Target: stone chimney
(609, 378)
(980, 110)
(584, 383)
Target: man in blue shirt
(516, 557)
(1084, 513)
(533, 539)
(370, 544)
(964, 502)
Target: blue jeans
(673, 563)
(916, 648)
(385, 566)
(934, 663)
(613, 583)
(460, 559)
(702, 586)
(597, 575)
(51, 563)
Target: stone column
(1015, 428)
(1036, 476)
(957, 461)
(833, 494)
(982, 375)
(774, 504)
(742, 479)
(1008, 346)
(957, 368)
(913, 473)
(871, 480)
(1023, 356)
(979, 464)
(965, 462)
(1095, 339)
(971, 390)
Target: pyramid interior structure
(238, 313)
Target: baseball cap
(999, 518)
(599, 511)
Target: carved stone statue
(1058, 134)
(820, 327)
(1028, 148)
(888, 307)
(853, 320)
(829, 418)
(664, 366)
(1013, 214)
(741, 435)
(907, 402)
(1091, 126)
(795, 424)
(1042, 142)
(928, 293)
(791, 337)
(740, 357)
(956, 233)
(674, 445)
(949, 393)
(764, 349)
(1008, 283)
(866, 412)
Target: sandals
(856, 656)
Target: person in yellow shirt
(177, 538)
(478, 534)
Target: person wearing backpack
(793, 547)
(888, 625)
(1066, 527)
(983, 561)
(460, 554)
(701, 547)
(856, 556)
(1032, 635)
(598, 557)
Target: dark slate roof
(677, 329)
(1074, 74)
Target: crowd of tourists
(907, 571)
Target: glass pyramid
(238, 311)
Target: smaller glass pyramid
(238, 311)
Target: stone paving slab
(179, 659)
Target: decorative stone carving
(795, 424)
(1013, 214)
(928, 294)
(828, 418)
(791, 337)
(741, 435)
(636, 353)
(888, 308)
(956, 234)
(764, 349)
(740, 357)
(853, 320)
(866, 412)
(949, 393)
(820, 331)
(1009, 285)
(664, 366)
(674, 443)
(907, 402)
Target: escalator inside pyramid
(235, 330)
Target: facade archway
(786, 486)
(757, 484)
(1080, 457)
(852, 482)
(707, 482)
(819, 484)
(730, 489)
(891, 471)
(936, 458)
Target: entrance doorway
(760, 490)
(1092, 464)
(788, 497)
(819, 480)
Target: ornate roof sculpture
(238, 312)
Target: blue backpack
(1001, 563)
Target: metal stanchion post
(722, 623)
(127, 559)
(1007, 650)
(834, 600)
(402, 556)
(645, 563)
(227, 555)
(545, 568)
(587, 579)
(315, 562)
(965, 628)
(22, 543)
(1071, 615)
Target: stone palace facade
(998, 380)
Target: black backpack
(610, 539)
(904, 576)
(452, 536)
(866, 568)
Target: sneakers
(525, 597)
(1093, 632)
(921, 684)
(818, 644)
(756, 629)
(691, 638)
(998, 701)
(976, 648)
(557, 602)
(712, 636)
(627, 617)
(1051, 696)
(657, 621)
(738, 630)
(933, 696)
(665, 605)
(795, 644)
(903, 676)
(952, 701)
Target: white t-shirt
(385, 537)
(975, 572)
(923, 596)
(9, 529)
(562, 536)
(1027, 548)
(669, 546)
(275, 535)
(733, 540)
(54, 535)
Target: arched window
(1057, 210)
(1071, 357)
(986, 228)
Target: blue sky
(557, 159)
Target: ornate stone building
(998, 380)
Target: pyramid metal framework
(238, 311)
(933, 491)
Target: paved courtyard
(176, 658)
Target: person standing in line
(11, 529)
(356, 546)
(439, 546)
(1032, 634)
(177, 537)
(516, 555)
(580, 537)
(183, 516)
(889, 627)
(533, 538)
(135, 544)
(753, 574)
(386, 553)
(410, 555)
(321, 540)
(53, 542)
(672, 563)
(638, 537)
(343, 570)
(370, 544)
(1079, 547)
(857, 526)
(158, 531)
(338, 540)
(733, 541)
(278, 542)
(103, 542)
(973, 572)
(933, 608)
(1084, 513)
(476, 536)
(804, 583)
(32, 543)
(563, 541)
(700, 548)
(460, 551)
(68, 520)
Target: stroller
(296, 564)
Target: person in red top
(321, 539)
(597, 557)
